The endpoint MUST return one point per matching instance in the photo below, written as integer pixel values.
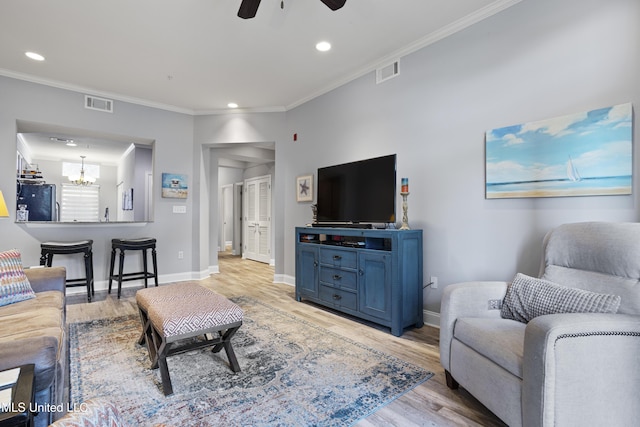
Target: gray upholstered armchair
(568, 369)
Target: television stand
(375, 275)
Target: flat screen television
(358, 192)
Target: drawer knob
(337, 257)
(337, 297)
(337, 277)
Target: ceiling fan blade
(248, 8)
(334, 4)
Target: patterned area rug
(293, 374)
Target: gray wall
(173, 133)
(239, 128)
(536, 60)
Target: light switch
(180, 209)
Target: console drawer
(338, 298)
(337, 277)
(342, 258)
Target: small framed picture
(304, 188)
(174, 186)
(127, 200)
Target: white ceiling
(195, 56)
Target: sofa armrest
(469, 299)
(581, 369)
(41, 351)
(47, 278)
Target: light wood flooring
(429, 404)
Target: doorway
(227, 235)
(257, 219)
(229, 221)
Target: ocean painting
(584, 154)
(174, 186)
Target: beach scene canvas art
(583, 154)
(174, 186)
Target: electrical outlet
(180, 255)
(434, 282)
(495, 304)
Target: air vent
(388, 71)
(100, 104)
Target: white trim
(56, 224)
(285, 279)
(447, 30)
(84, 90)
(103, 285)
(459, 25)
(431, 318)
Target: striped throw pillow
(14, 285)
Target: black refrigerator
(40, 201)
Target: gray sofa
(568, 369)
(34, 331)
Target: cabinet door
(306, 271)
(374, 284)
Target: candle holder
(405, 207)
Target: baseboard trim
(103, 285)
(284, 278)
(431, 318)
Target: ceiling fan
(249, 8)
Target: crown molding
(454, 27)
(446, 31)
(89, 91)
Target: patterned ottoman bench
(173, 313)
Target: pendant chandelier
(82, 179)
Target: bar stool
(141, 244)
(48, 249)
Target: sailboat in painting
(581, 154)
(572, 171)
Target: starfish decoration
(304, 187)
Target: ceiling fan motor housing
(249, 8)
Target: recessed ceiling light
(34, 56)
(69, 142)
(323, 46)
(232, 105)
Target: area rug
(293, 374)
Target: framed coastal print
(583, 154)
(304, 188)
(127, 200)
(174, 186)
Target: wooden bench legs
(161, 347)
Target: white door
(257, 219)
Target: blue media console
(374, 275)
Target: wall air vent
(388, 71)
(100, 104)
